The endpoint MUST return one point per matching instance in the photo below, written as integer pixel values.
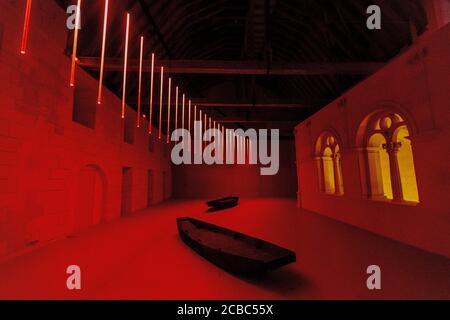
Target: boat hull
(223, 203)
(233, 262)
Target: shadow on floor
(285, 281)
(212, 210)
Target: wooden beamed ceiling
(241, 58)
(235, 67)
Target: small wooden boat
(223, 203)
(231, 250)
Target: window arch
(388, 157)
(328, 160)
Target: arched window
(388, 157)
(328, 160)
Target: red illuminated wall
(202, 181)
(416, 85)
(56, 175)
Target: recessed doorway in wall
(150, 187)
(90, 198)
(128, 130)
(127, 191)
(84, 106)
(164, 185)
(151, 143)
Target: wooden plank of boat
(231, 250)
(223, 203)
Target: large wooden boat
(231, 250)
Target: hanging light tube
(182, 112)
(161, 92)
(223, 143)
(189, 116)
(215, 144)
(200, 131)
(205, 136)
(75, 44)
(125, 66)
(102, 61)
(168, 111)
(195, 131)
(151, 94)
(176, 108)
(26, 27)
(141, 57)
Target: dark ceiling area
(249, 63)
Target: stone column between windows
(320, 171)
(338, 185)
(392, 149)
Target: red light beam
(75, 44)
(168, 111)
(176, 108)
(102, 63)
(150, 120)
(141, 57)
(26, 27)
(125, 66)
(161, 103)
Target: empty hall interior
(359, 114)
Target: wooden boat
(231, 250)
(223, 203)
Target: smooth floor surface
(142, 257)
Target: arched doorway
(90, 198)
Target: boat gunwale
(231, 233)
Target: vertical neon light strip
(223, 143)
(219, 141)
(141, 57)
(161, 103)
(182, 112)
(176, 108)
(205, 136)
(200, 131)
(229, 141)
(230, 145)
(189, 124)
(215, 144)
(168, 111)
(102, 63)
(216, 141)
(125, 66)
(26, 28)
(249, 150)
(244, 143)
(151, 94)
(189, 116)
(195, 131)
(75, 44)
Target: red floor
(141, 257)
